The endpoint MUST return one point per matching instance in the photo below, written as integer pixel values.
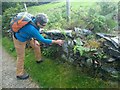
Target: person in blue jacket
(30, 33)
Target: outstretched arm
(39, 37)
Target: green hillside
(56, 12)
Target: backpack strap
(32, 23)
(20, 33)
(22, 18)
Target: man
(30, 32)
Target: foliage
(0, 21)
(50, 51)
(89, 17)
(51, 74)
(107, 7)
(99, 23)
(54, 23)
(35, 3)
(0, 27)
(80, 17)
(7, 16)
(92, 19)
(0, 8)
(82, 50)
(7, 5)
(90, 49)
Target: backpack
(20, 20)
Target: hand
(36, 42)
(59, 42)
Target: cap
(41, 18)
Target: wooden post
(25, 7)
(68, 10)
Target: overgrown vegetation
(0, 26)
(97, 17)
(54, 74)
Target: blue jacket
(28, 32)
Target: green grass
(46, 8)
(51, 7)
(84, 5)
(9, 46)
(0, 20)
(0, 26)
(57, 13)
(52, 74)
(0, 40)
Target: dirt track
(8, 73)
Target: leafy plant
(82, 50)
(107, 7)
(51, 51)
(7, 16)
